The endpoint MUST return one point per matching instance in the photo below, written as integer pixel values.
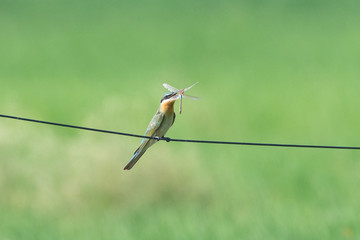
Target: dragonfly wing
(188, 88)
(191, 97)
(170, 88)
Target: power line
(180, 140)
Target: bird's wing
(155, 122)
(153, 126)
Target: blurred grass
(276, 71)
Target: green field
(281, 71)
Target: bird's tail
(137, 155)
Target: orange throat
(167, 106)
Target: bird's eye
(167, 96)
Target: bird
(164, 118)
(158, 126)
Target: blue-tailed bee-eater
(161, 122)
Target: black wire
(72, 126)
(181, 140)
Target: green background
(281, 71)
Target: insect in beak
(181, 93)
(181, 96)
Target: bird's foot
(166, 139)
(157, 138)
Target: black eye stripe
(167, 96)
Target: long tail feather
(137, 155)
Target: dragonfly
(181, 93)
